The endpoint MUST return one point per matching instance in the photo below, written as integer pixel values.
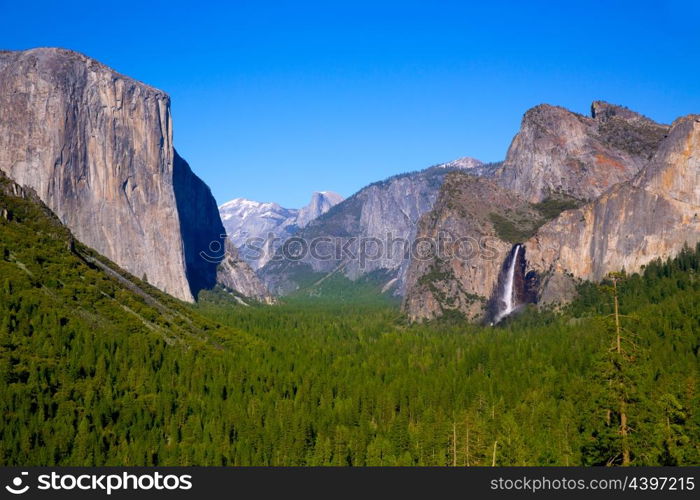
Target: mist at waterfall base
(514, 288)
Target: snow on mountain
(257, 229)
(465, 162)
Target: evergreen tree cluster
(99, 368)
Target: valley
(540, 310)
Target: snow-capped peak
(465, 162)
(246, 220)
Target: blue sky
(274, 100)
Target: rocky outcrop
(321, 202)
(652, 216)
(641, 180)
(97, 148)
(236, 275)
(258, 229)
(558, 153)
(470, 231)
(370, 232)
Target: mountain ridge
(257, 229)
(591, 177)
(559, 152)
(654, 215)
(387, 210)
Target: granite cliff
(210, 259)
(381, 218)
(587, 196)
(97, 147)
(558, 153)
(652, 216)
(455, 271)
(321, 202)
(577, 197)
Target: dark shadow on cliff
(203, 234)
(525, 286)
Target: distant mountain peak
(249, 221)
(321, 202)
(465, 162)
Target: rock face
(470, 231)
(321, 202)
(97, 148)
(235, 274)
(652, 216)
(642, 183)
(514, 287)
(558, 153)
(370, 232)
(209, 257)
(258, 229)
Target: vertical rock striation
(558, 153)
(651, 216)
(636, 184)
(97, 147)
(472, 228)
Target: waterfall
(507, 299)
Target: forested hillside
(98, 367)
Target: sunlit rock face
(561, 153)
(651, 216)
(97, 147)
(636, 186)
